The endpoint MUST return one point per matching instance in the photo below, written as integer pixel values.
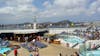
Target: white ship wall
(59, 30)
(51, 30)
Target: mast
(35, 22)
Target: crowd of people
(91, 35)
(36, 52)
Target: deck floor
(51, 50)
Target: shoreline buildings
(51, 26)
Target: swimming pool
(72, 39)
(84, 52)
(3, 49)
(91, 53)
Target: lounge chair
(4, 43)
(30, 49)
(24, 45)
(39, 44)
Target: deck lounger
(5, 44)
(30, 49)
(8, 43)
(24, 45)
(39, 44)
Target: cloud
(18, 9)
(72, 8)
(46, 3)
(70, 3)
(6, 10)
(93, 8)
(99, 9)
(63, 8)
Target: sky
(20, 11)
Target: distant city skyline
(21, 11)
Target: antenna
(35, 21)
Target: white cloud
(18, 2)
(46, 3)
(21, 5)
(99, 9)
(18, 8)
(70, 3)
(93, 8)
(58, 8)
(62, 8)
(6, 10)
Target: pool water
(92, 53)
(2, 50)
(73, 39)
(84, 52)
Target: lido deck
(51, 50)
